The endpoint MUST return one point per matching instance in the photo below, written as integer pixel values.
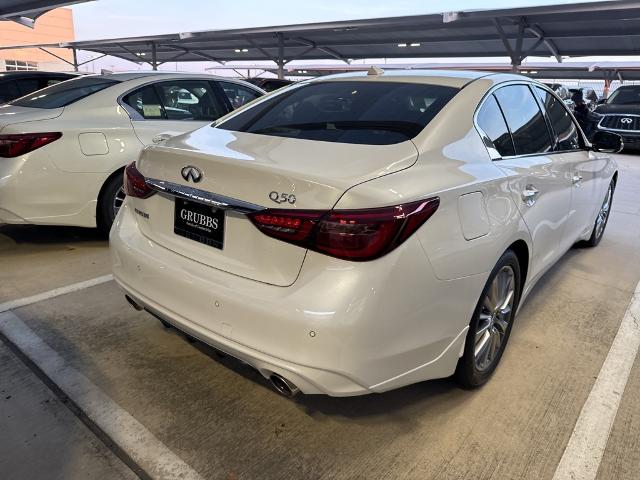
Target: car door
(163, 109)
(538, 180)
(586, 166)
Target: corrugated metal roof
(27, 11)
(597, 28)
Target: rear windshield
(374, 113)
(64, 93)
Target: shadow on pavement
(44, 234)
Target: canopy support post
(75, 59)
(154, 56)
(280, 60)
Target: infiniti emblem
(626, 120)
(191, 174)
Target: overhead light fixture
(402, 45)
(533, 72)
(244, 50)
(141, 54)
(415, 45)
(241, 50)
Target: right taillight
(135, 184)
(359, 235)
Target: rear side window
(564, 129)
(374, 113)
(491, 121)
(238, 94)
(525, 120)
(146, 103)
(64, 93)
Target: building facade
(52, 27)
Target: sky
(123, 18)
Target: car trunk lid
(262, 171)
(10, 114)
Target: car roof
(452, 78)
(125, 76)
(36, 73)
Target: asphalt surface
(224, 421)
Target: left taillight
(358, 235)
(135, 184)
(15, 145)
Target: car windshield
(375, 113)
(625, 96)
(64, 93)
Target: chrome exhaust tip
(283, 386)
(133, 303)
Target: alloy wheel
(495, 315)
(603, 214)
(117, 200)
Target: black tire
(468, 372)
(598, 233)
(106, 211)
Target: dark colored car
(621, 115)
(20, 83)
(269, 84)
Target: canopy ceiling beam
(551, 46)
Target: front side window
(525, 120)
(189, 100)
(176, 100)
(359, 112)
(564, 129)
(64, 93)
(491, 121)
(238, 94)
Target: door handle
(530, 195)
(577, 180)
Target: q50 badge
(279, 198)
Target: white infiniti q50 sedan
(63, 148)
(362, 232)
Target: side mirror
(607, 142)
(601, 101)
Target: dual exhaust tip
(279, 383)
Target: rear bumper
(341, 329)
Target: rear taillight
(349, 234)
(135, 184)
(18, 144)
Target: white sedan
(361, 232)
(63, 149)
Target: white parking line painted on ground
(56, 292)
(582, 456)
(149, 453)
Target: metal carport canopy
(597, 28)
(26, 12)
